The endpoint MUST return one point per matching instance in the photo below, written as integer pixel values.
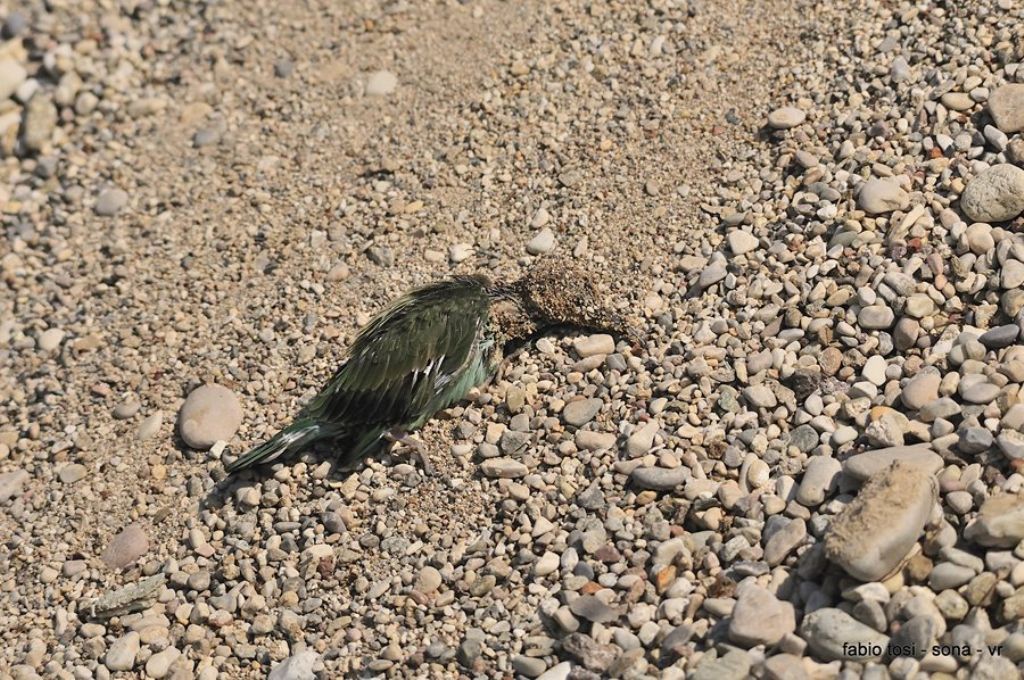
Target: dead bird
(428, 349)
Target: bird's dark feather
(395, 364)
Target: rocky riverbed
(812, 469)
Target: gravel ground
(812, 470)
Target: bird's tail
(287, 443)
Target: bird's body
(420, 355)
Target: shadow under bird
(427, 350)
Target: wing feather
(399, 362)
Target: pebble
(833, 634)
(974, 388)
(39, 123)
(121, 654)
(804, 438)
(460, 252)
(806, 159)
(126, 409)
(429, 580)
(878, 196)
(50, 339)
(12, 75)
(886, 428)
(296, 667)
(159, 665)
(865, 465)
(1012, 275)
(1000, 336)
(380, 83)
(284, 68)
(594, 345)
(760, 396)
(591, 440)
(1000, 522)
(1015, 150)
(504, 468)
(14, 25)
(830, 361)
(974, 440)
(547, 564)
(339, 272)
(581, 411)
(741, 242)
(760, 618)
(211, 413)
(819, 477)
(979, 238)
(943, 407)
(784, 541)
(150, 426)
(712, 274)
(126, 547)
(786, 117)
(110, 202)
(785, 667)
(559, 671)
(919, 306)
(1011, 444)
(875, 531)
(642, 440)
(921, 389)
(542, 243)
(906, 333)
(947, 576)
(529, 666)
(874, 370)
(540, 218)
(592, 655)
(960, 502)
(69, 474)
(876, 317)
(735, 665)
(996, 194)
(469, 652)
(1006, 104)
(957, 101)
(207, 136)
(592, 609)
(11, 483)
(658, 478)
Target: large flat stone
(875, 532)
(863, 465)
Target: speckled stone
(995, 194)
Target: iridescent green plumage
(424, 353)
(420, 355)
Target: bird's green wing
(404, 358)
